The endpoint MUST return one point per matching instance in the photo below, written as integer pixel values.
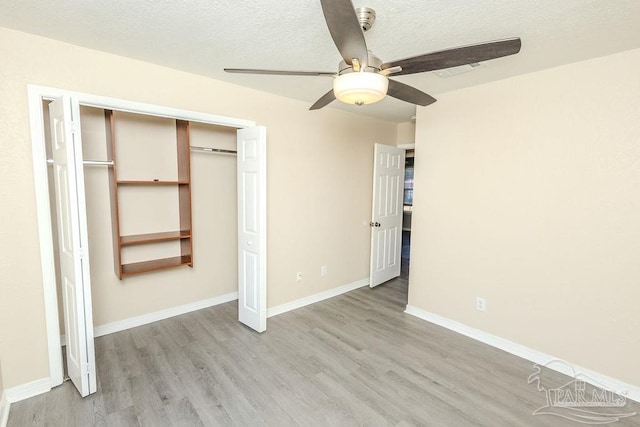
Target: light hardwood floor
(356, 359)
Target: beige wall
(406, 133)
(319, 167)
(527, 193)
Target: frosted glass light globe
(360, 88)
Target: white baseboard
(132, 322)
(599, 380)
(145, 319)
(25, 391)
(4, 410)
(293, 305)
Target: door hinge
(85, 369)
(82, 252)
(75, 126)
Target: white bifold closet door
(252, 227)
(72, 242)
(386, 216)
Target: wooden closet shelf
(136, 239)
(155, 265)
(179, 180)
(152, 182)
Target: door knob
(374, 224)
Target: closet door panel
(72, 243)
(252, 228)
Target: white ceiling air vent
(454, 71)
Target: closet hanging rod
(91, 162)
(213, 150)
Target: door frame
(37, 94)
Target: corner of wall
(406, 133)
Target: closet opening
(145, 148)
(227, 158)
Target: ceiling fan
(362, 78)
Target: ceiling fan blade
(410, 94)
(457, 56)
(326, 99)
(345, 30)
(279, 72)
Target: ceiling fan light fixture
(360, 88)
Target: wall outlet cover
(481, 304)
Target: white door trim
(409, 146)
(36, 94)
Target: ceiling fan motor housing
(374, 65)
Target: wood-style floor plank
(355, 359)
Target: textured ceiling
(204, 36)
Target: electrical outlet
(481, 304)
(299, 276)
(323, 270)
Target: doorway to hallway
(407, 211)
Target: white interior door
(252, 227)
(386, 216)
(72, 242)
